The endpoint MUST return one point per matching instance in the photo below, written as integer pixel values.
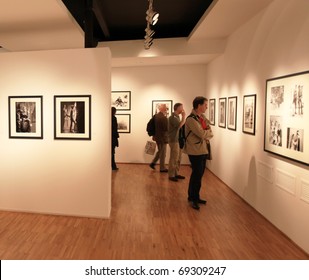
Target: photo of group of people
(25, 117)
(72, 116)
(286, 117)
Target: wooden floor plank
(150, 219)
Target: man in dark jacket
(161, 137)
(115, 136)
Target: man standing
(198, 132)
(161, 126)
(174, 125)
(115, 136)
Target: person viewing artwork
(198, 133)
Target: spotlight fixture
(151, 19)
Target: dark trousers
(113, 158)
(198, 164)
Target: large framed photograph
(121, 100)
(222, 112)
(232, 113)
(72, 117)
(249, 113)
(287, 117)
(26, 117)
(157, 103)
(212, 111)
(124, 123)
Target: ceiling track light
(151, 19)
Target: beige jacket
(196, 136)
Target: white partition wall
(67, 177)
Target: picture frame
(26, 117)
(222, 112)
(157, 103)
(124, 123)
(121, 100)
(72, 117)
(286, 117)
(249, 114)
(212, 111)
(232, 113)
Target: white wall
(177, 83)
(274, 43)
(57, 176)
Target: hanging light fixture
(151, 19)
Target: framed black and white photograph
(222, 112)
(232, 113)
(212, 111)
(124, 123)
(249, 113)
(72, 117)
(26, 117)
(157, 103)
(287, 117)
(121, 100)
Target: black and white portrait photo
(295, 139)
(212, 111)
(232, 113)
(249, 106)
(222, 112)
(275, 132)
(25, 117)
(297, 101)
(277, 96)
(72, 117)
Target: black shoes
(164, 170)
(180, 177)
(200, 201)
(152, 165)
(115, 168)
(195, 205)
(173, 179)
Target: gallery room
(64, 60)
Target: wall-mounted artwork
(156, 104)
(222, 112)
(249, 113)
(72, 117)
(212, 111)
(287, 117)
(121, 100)
(124, 123)
(26, 117)
(232, 113)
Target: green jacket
(196, 136)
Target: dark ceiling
(114, 20)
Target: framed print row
(287, 117)
(227, 114)
(72, 117)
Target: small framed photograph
(72, 117)
(212, 111)
(26, 117)
(287, 117)
(124, 123)
(232, 113)
(222, 112)
(121, 100)
(249, 112)
(156, 105)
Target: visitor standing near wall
(197, 132)
(115, 136)
(174, 125)
(161, 129)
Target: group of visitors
(189, 134)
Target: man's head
(200, 104)
(178, 108)
(163, 108)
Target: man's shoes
(180, 177)
(115, 168)
(195, 205)
(164, 170)
(152, 165)
(200, 201)
(173, 179)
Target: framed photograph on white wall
(72, 117)
(212, 111)
(232, 113)
(222, 112)
(124, 123)
(249, 113)
(121, 100)
(26, 117)
(287, 117)
(156, 104)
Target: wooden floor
(150, 219)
